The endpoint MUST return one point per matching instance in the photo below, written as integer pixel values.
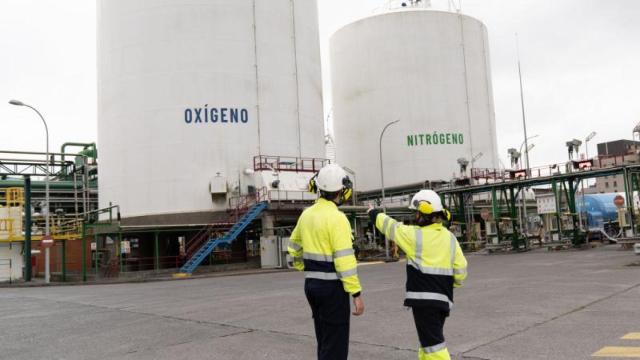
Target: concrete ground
(536, 305)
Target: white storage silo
(189, 92)
(429, 69)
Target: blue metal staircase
(190, 266)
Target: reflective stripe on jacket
(435, 262)
(321, 245)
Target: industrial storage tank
(189, 92)
(430, 70)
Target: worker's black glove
(373, 213)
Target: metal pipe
(27, 230)
(120, 255)
(96, 263)
(60, 185)
(84, 145)
(156, 252)
(628, 190)
(84, 252)
(586, 146)
(583, 224)
(47, 264)
(75, 194)
(84, 192)
(64, 260)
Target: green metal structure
(563, 185)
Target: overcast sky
(580, 61)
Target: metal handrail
(173, 262)
(6, 225)
(599, 162)
(238, 205)
(299, 195)
(194, 243)
(203, 236)
(37, 153)
(287, 163)
(12, 196)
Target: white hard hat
(428, 196)
(331, 178)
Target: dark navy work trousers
(331, 314)
(430, 325)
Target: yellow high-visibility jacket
(322, 247)
(435, 262)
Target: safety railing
(6, 227)
(69, 228)
(243, 203)
(60, 228)
(10, 229)
(208, 232)
(285, 163)
(12, 197)
(133, 264)
(617, 160)
(239, 205)
(478, 174)
(599, 162)
(196, 241)
(217, 257)
(495, 175)
(290, 195)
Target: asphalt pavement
(536, 305)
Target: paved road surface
(537, 305)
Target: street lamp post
(520, 150)
(524, 127)
(526, 167)
(475, 158)
(386, 241)
(47, 276)
(584, 222)
(524, 194)
(586, 142)
(524, 119)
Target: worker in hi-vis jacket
(321, 245)
(435, 265)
